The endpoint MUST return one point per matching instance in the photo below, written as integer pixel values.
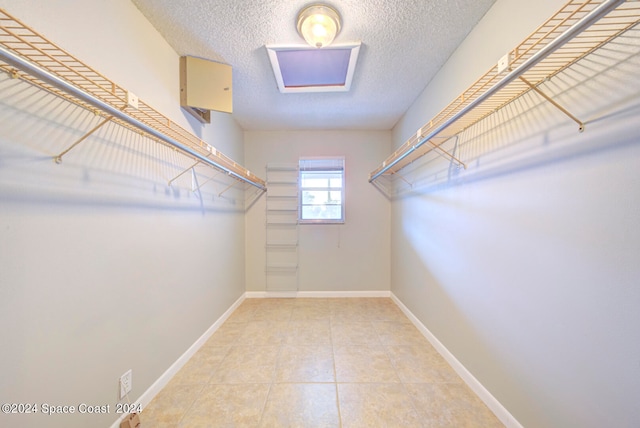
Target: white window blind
(321, 190)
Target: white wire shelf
(27, 55)
(578, 29)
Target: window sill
(321, 222)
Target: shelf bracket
(58, 159)
(446, 153)
(183, 172)
(403, 179)
(558, 106)
(227, 188)
(205, 182)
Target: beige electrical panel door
(205, 85)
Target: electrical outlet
(132, 100)
(125, 384)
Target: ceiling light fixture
(318, 24)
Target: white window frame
(321, 164)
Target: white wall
(103, 266)
(349, 257)
(525, 266)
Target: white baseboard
(164, 379)
(492, 403)
(316, 294)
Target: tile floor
(356, 362)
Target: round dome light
(318, 25)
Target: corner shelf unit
(579, 28)
(29, 56)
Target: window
(321, 190)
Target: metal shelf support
(58, 158)
(183, 172)
(558, 106)
(206, 181)
(227, 188)
(444, 152)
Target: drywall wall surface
(353, 256)
(104, 267)
(525, 265)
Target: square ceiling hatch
(309, 69)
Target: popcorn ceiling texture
(405, 42)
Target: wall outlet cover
(126, 383)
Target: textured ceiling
(404, 43)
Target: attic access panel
(308, 69)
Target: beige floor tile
(149, 420)
(311, 312)
(243, 313)
(377, 303)
(200, 367)
(347, 303)
(389, 311)
(363, 363)
(314, 332)
(398, 333)
(345, 310)
(301, 405)
(273, 313)
(227, 334)
(305, 364)
(348, 317)
(340, 301)
(274, 304)
(451, 405)
(376, 405)
(213, 347)
(252, 303)
(170, 405)
(275, 362)
(262, 333)
(421, 364)
(353, 333)
(316, 302)
(227, 405)
(247, 364)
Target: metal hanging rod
(44, 75)
(592, 17)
